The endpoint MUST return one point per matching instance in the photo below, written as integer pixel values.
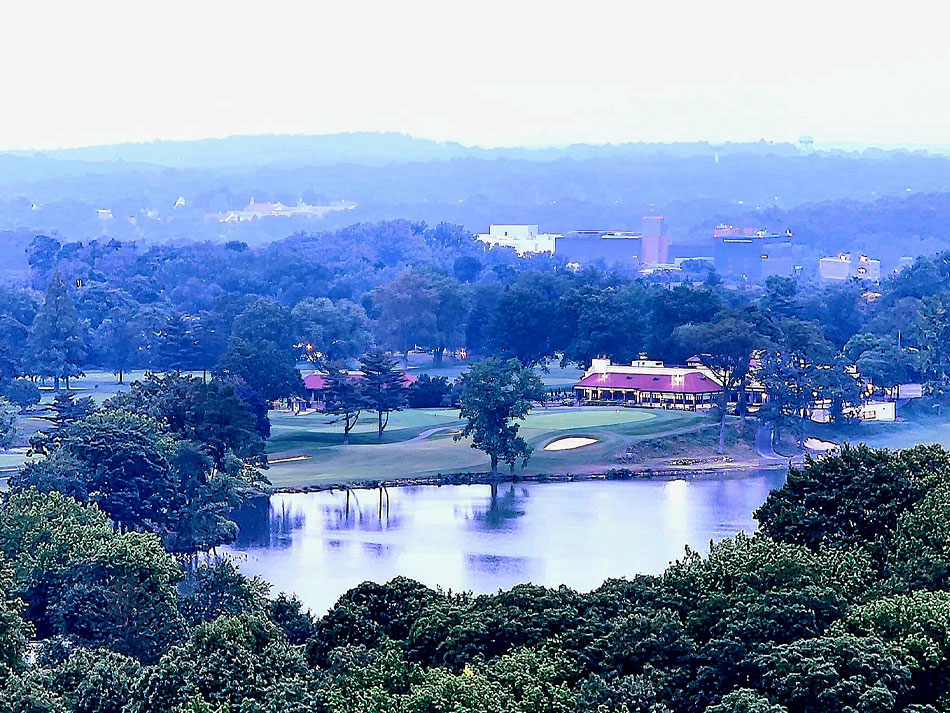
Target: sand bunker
(569, 443)
(816, 444)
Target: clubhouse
(651, 384)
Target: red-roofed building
(316, 382)
(652, 384)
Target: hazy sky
(488, 73)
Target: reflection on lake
(318, 545)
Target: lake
(458, 537)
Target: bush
(22, 392)
(429, 392)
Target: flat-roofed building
(845, 266)
(524, 238)
(751, 253)
(655, 241)
(612, 247)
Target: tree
(331, 332)
(837, 673)
(794, 368)
(601, 322)
(428, 392)
(880, 360)
(855, 497)
(265, 320)
(15, 633)
(121, 595)
(407, 308)
(8, 414)
(725, 347)
(670, 309)
(22, 392)
(932, 331)
(383, 387)
(55, 346)
(453, 304)
(521, 325)
(208, 413)
(494, 395)
(176, 344)
(344, 398)
(270, 371)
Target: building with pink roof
(652, 384)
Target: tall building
(845, 267)
(525, 239)
(656, 240)
(612, 247)
(750, 253)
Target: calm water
(456, 537)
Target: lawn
(413, 449)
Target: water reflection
(318, 545)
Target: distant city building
(256, 211)
(751, 253)
(846, 267)
(525, 239)
(612, 247)
(656, 240)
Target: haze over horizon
(509, 75)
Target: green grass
(418, 442)
(439, 454)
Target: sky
(482, 73)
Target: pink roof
(317, 381)
(694, 383)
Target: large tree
(384, 388)
(331, 332)
(55, 346)
(725, 347)
(269, 371)
(119, 342)
(495, 395)
(406, 310)
(208, 413)
(522, 325)
(344, 398)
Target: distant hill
(364, 148)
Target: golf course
(306, 450)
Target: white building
(844, 267)
(525, 239)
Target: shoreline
(626, 473)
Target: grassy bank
(420, 443)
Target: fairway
(588, 417)
(419, 443)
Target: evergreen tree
(343, 397)
(176, 346)
(55, 347)
(383, 386)
(118, 339)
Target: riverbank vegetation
(840, 602)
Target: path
(428, 432)
(763, 444)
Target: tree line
(251, 315)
